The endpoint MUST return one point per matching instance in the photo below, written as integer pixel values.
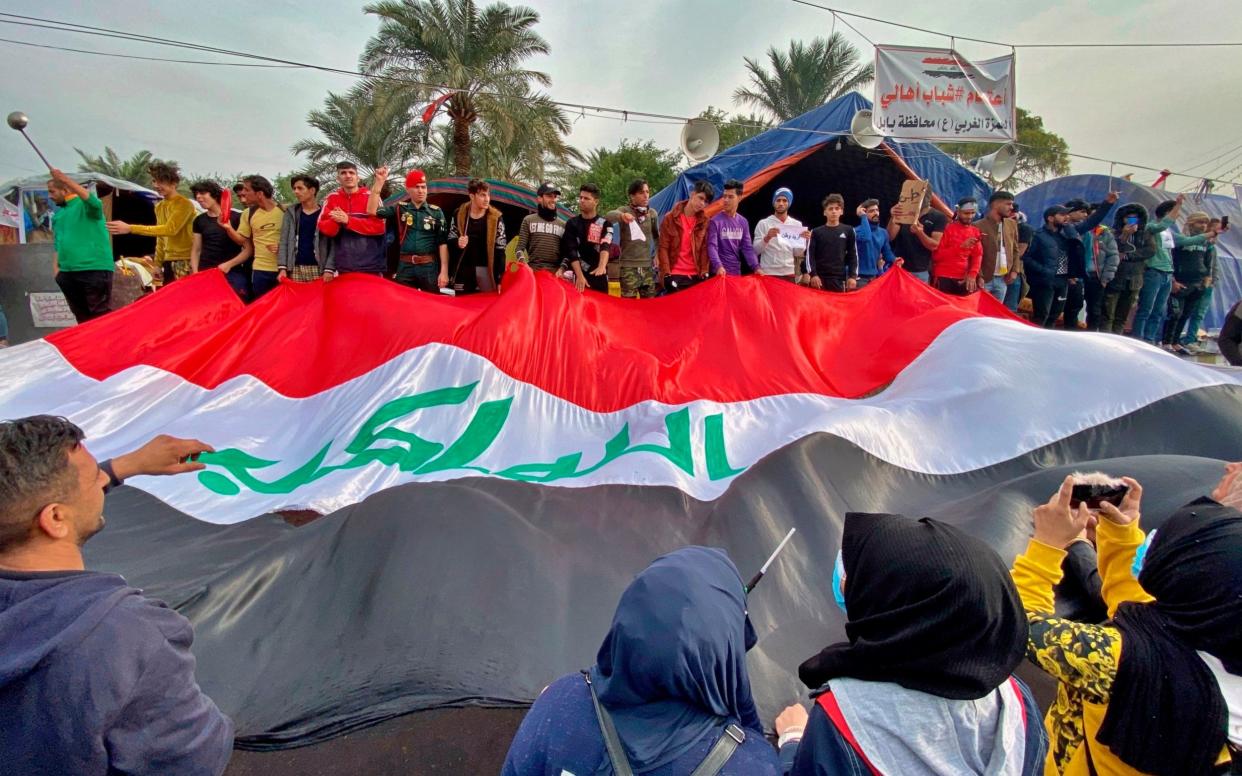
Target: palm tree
(369, 125)
(133, 169)
(475, 55)
(524, 140)
(805, 77)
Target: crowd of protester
(1145, 646)
(1076, 270)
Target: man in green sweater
(83, 262)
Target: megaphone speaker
(699, 140)
(998, 165)
(862, 132)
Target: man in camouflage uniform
(637, 269)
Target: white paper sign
(791, 237)
(636, 232)
(49, 310)
(937, 94)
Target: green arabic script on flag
(378, 441)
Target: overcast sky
(1158, 107)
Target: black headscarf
(1166, 714)
(929, 608)
(672, 669)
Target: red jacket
(951, 260)
(356, 206)
(670, 240)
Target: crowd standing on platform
(1072, 271)
(1140, 632)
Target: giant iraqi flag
(494, 469)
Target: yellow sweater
(173, 230)
(1083, 658)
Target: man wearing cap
(958, 257)
(1082, 219)
(777, 256)
(1047, 264)
(422, 232)
(539, 236)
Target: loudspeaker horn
(998, 165)
(862, 132)
(699, 139)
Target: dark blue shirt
(307, 232)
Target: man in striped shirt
(539, 236)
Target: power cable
(626, 114)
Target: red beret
(414, 177)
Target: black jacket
(1135, 249)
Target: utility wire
(839, 12)
(134, 56)
(625, 114)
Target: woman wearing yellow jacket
(1158, 688)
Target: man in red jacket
(682, 250)
(956, 262)
(359, 237)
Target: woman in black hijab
(924, 684)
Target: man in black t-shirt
(212, 247)
(914, 243)
(586, 242)
(832, 253)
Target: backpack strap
(830, 706)
(726, 745)
(612, 742)
(724, 748)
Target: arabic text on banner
(936, 94)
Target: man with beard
(82, 265)
(588, 237)
(1084, 278)
(478, 231)
(1001, 264)
(875, 254)
(959, 255)
(1054, 258)
(776, 256)
(636, 265)
(539, 236)
(1192, 268)
(422, 232)
(95, 678)
(914, 243)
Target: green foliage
(1041, 153)
(804, 77)
(612, 170)
(371, 126)
(133, 169)
(479, 54)
(736, 129)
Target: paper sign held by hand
(908, 206)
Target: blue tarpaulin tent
(1093, 188)
(812, 155)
